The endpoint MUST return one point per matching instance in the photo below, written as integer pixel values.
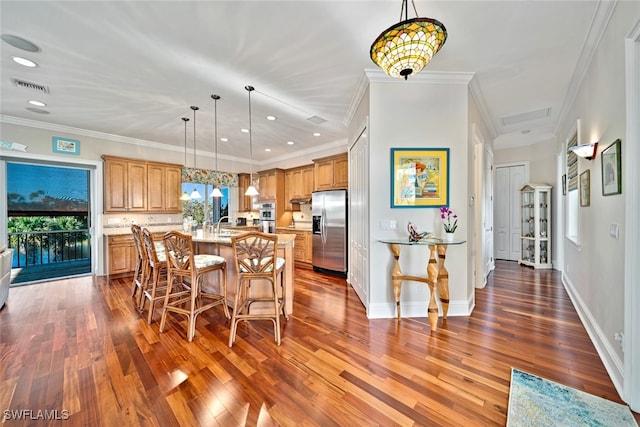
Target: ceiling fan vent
(316, 119)
(28, 85)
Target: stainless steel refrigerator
(329, 212)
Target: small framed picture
(585, 188)
(611, 169)
(66, 145)
(564, 184)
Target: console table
(437, 274)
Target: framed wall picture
(564, 184)
(66, 145)
(611, 169)
(585, 188)
(419, 177)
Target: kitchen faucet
(218, 224)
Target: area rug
(535, 401)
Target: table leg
(443, 281)
(396, 276)
(432, 274)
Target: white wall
(419, 113)
(594, 269)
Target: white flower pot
(448, 237)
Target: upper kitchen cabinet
(245, 203)
(132, 185)
(298, 185)
(271, 186)
(332, 172)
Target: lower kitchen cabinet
(302, 251)
(122, 255)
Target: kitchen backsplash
(142, 219)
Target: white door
(487, 217)
(358, 211)
(509, 179)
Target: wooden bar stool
(155, 286)
(256, 260)
(141, 272)
(186, 268)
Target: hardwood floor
(79, 348)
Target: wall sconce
(586, 151)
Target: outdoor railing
(47, 247)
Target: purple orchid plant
(449, 219)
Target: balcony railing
(48, 247)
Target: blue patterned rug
(535, 401)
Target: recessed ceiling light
(271, 118)
(244, 130)
(316, 134)
(37, 110)
(290, 142)
(223, 139)
(37, 103)
(24, 61)
(267, 149)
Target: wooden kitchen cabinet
(298, 184)
(121, 253)
(302, 250)
(332, 172)
(271, 185)
(245, 203)
(132, 185)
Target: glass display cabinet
(535, 225)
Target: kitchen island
(220, 244)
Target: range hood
(300, 200)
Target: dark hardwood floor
(79, 347)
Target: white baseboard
(612, 363)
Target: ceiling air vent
(525, 117)
(28, 85)
(316, 119)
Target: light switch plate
(388, 224)
(613, 230)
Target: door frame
(96, 197)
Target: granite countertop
(284, 239)
(122, 230)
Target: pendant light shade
(216, 191)
(407, 47)
(194, 194)
(251, 191)
(185, 195)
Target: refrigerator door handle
(324, 225)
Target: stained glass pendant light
(251, 190)
(185, 195)
(216, 191)
(194, 194)
(407, 47)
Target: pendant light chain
(251, 190)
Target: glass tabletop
(423, 242)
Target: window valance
(206, 176)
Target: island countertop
(220, 244)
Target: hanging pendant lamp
(407, 47)
(194, 194)
(185, 195)
(216, 191)
(251, 190)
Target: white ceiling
(133, 68)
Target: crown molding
(478, 97)
(601, 17)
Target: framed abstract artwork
(611, 169)
(419, 177)
(585, 188)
